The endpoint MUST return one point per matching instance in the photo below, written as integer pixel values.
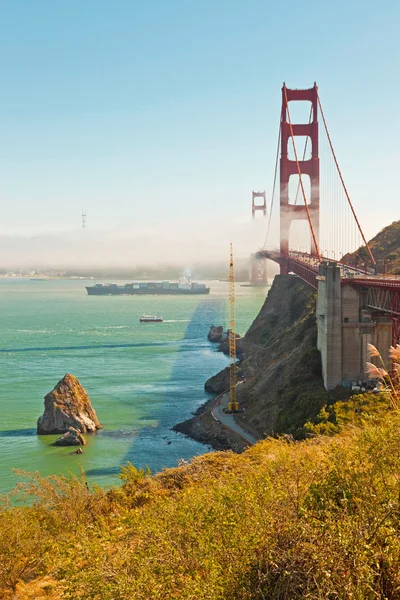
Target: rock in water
(73, 437)
(217, 334)
(68, 405)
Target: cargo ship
(183, 286)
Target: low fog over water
(174, 243)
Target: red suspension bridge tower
(308, 209)
(258, 275)
(256, 205)
(355, 307)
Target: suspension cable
(274, 184)
(300, 178)
(304, 154)
(342, 180)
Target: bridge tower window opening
(303, 147)
(301, 113)
(294, 191)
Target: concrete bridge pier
(329, 321)
(345, 326)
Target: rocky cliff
(282, 369)
(67, 405)
(282, 365)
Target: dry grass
(314, 519)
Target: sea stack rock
(68, 405)
(73, 437)
(217, 334)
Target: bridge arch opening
(303, 147)
(300, 112)
(295, 192)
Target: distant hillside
(384, 246)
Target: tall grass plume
(388, 377)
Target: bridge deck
(383, 292)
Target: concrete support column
(329, 322)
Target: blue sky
(167, 111)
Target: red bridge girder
(305, 271)
(382, 295)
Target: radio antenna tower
(233, 406)
(83, 219)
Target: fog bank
(180, 243)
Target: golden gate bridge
(319, 227)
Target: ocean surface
(142, 378)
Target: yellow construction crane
(233, 406)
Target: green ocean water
(141, 378)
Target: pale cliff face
(68, 405)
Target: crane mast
(233, 405)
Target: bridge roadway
(306, 266)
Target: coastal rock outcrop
(67, 405)
(217, 334)
(73, 437)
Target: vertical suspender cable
(274, 184)
(343, 184)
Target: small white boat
(150, 319)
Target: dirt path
(228, 419)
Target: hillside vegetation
(384, 246)
(286, 389)
(312, 519)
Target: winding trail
(228, 419)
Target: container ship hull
(142, 289)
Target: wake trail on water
(89, 347)
(176, 321)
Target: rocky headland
(67, 406)
(281, 369)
